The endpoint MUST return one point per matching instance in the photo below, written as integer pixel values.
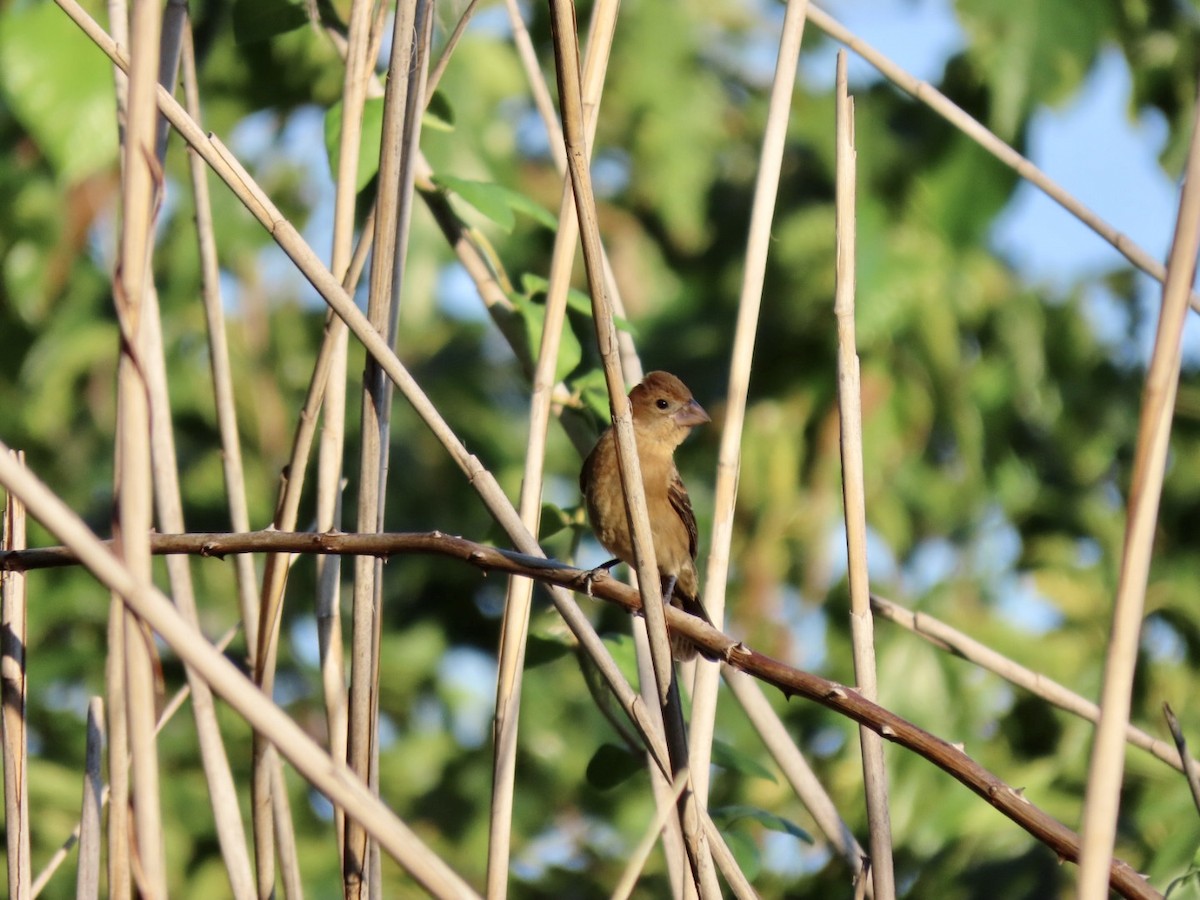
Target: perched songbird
(664, 412)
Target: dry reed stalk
(953, 641)
(227, 817)
(1105, 771)
(641, 852)
(94, 780)
(226, 166)
(792, 763)
(330, 457)
(758, 242)
(218, 355)
(285, 834)
(330, 776)
(400, 133)
(222, 794)
(13, 693)
(119, 872)
(854, 493)
(566, 53)
(515, 626)
(87, 875)
(926, 93)
(837, 698)
(141, 177)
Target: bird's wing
(682, 505)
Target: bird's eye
(661, 403)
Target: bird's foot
(604, 570)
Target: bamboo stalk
(1149, 464)
(13, 693)
(854, 493)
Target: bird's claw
(601, 571)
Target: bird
(664, 413)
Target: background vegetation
(999, 428)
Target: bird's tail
(681, 648)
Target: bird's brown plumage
(663, 412)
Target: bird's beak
(691, 414)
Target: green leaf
(496, 201)
(439, 114)
(522, 204)
(593, 391)
(728, 757)
(533, 314)
(368, 147)
(727, 815)
(487, 198)
(542, 650)
(60, 88)
(576, 300)
(260, 20)
(610, 766)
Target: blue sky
(1120, 179)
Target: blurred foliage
(999, 429)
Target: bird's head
(663, 408)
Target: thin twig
(1190, 769)
(943, 636)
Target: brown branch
(838, 698)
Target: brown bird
(664, 412)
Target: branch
(836, 697)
